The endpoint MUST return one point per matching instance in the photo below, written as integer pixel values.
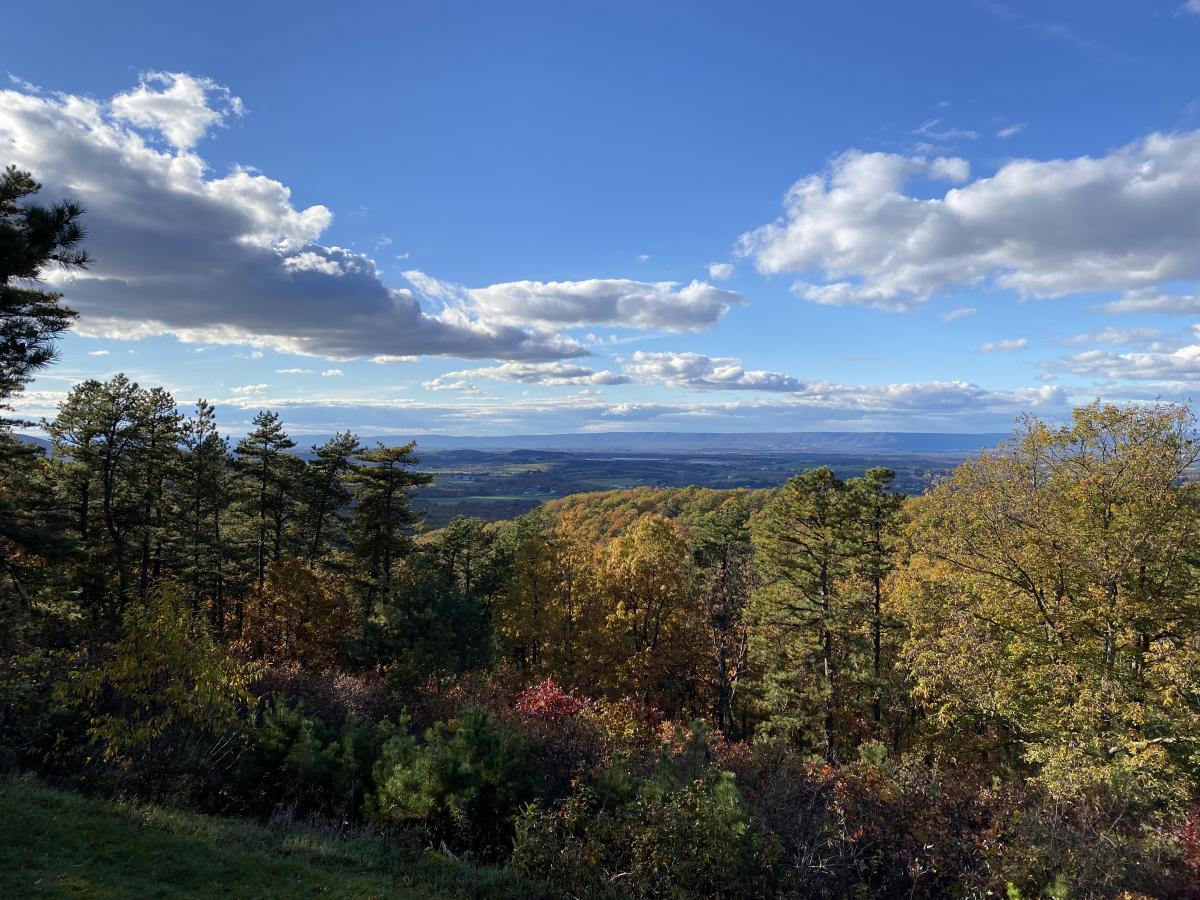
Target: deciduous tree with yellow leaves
(1053, 605)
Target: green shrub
(42, 726)
(464, 787)
(166, 703)
(694, 840)
(314, 767)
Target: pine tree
(32, 237)
(464, 549)
(202, 498)
(161, 427)
(383, 517)
(326, 493)
(726, 580)
(267, 471)
(115, 446)
(876, 533)
(802, 547)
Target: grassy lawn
(59, 844)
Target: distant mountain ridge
(721, 442)
(666, 442)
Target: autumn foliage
(546, 700)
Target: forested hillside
(823, 690)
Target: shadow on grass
(58, 844)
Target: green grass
(58, 844)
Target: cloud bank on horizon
(230, 263)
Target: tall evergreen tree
(876, 533)
(803, 548)
(32, 237)
(202, 498)
(726, 580)
(267, 469)
(326, 493)
(113, 443)
(383, 518)
(465, 550)
(161, 427)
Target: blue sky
(543, 217)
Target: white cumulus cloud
(553, 374)
(857, 233)
(182, 107)
(1178, 364)
(596, 301)
(230, 259)
(696, 371)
